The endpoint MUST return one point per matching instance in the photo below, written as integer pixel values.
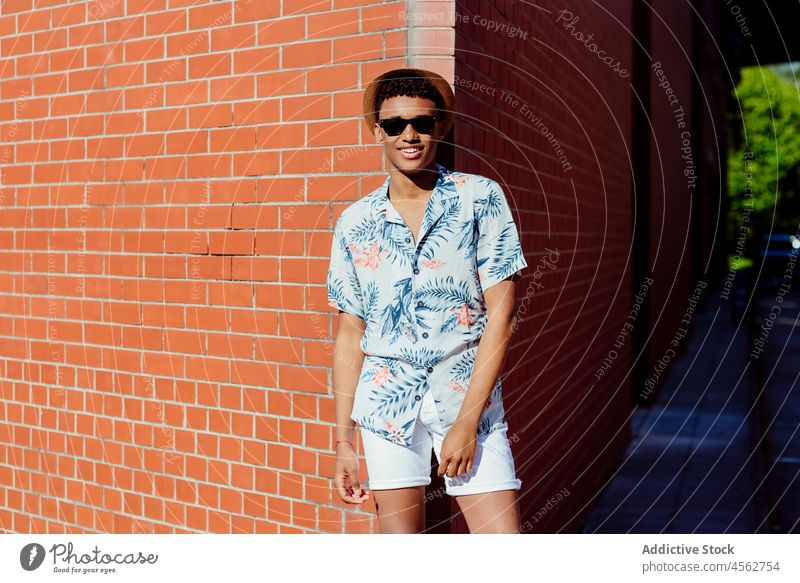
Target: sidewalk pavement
(699, 455)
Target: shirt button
(420, 303)
(424, 334)
(417, 398)
(430, 369)
(408, 239)
(416, 271)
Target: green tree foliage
(764, 153)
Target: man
(423, 273)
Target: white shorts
(392, 465)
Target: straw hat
(438, 82)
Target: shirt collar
(444, 189)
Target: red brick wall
(171, 175)
(566, 427)
(671, 242)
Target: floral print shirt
(423, 306)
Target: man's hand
(458, 449)
(345, 476)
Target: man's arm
(347, 362)
(500, 304)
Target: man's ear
(440, 129)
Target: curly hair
(398, 85)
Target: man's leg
(488, 495)
(401, 510)
(491, 512)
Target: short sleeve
(344, 290)
(499, 252)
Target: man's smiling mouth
(411, 152)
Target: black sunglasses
(394, 126)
